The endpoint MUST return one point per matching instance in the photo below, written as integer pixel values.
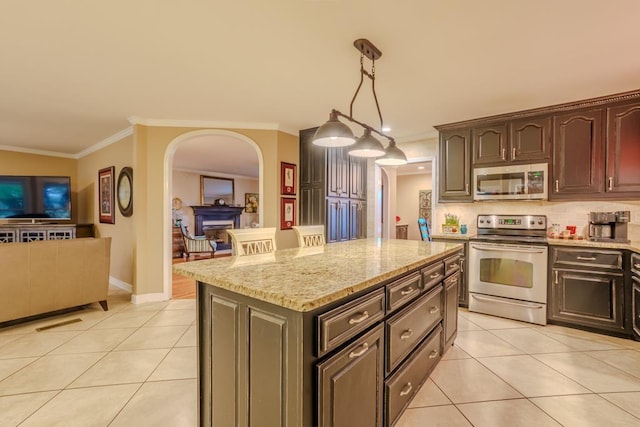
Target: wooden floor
(184, 287)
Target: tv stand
(32, 231)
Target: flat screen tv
(35, 197)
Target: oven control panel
(512, 222)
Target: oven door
(508, 270)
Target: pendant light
(334, 133)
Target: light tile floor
(135, 365)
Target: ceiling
(74, 73)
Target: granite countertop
(632, 246)
(453, 236)
(303, 279)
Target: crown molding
(37, 152)
(105, 142)
(135, 120)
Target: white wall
(407, 200)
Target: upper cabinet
(623, 150)
(518, 141)
(454, 181)
(593, 147)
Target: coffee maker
(609, 226)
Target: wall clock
(125, 191)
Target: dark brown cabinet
(451, 286)
(635, 295)
(587, 289)
(490, 144)
(333, 190)
(623, 150)
(577, 154)
(350, 384)
(455, 166)
(463, 291)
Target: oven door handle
(507, 249)
(502, 301)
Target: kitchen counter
(632, 246)
(303, 279)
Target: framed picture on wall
(251, 201)
(287, 213)
(106, 190)
(288, 178)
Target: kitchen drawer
(344, 322)
(404, 384)
(452, 264)
(587, 258)
(402, 291)
(635, 263)
(405, 330)
(432, 275)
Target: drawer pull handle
(433, 354)
(434, 310)
(434, 276)
(407, 291)
(406, 389)
(363, 349)
(636, 265)
(587, 258)
(355, 320)
(406, 334)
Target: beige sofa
(40, 277)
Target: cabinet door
(312, 209)
(337, 220)
(463, 291)
(530, 139)
(357, 219)
(623, 150)
(588, 298)
(490, 145)
(350, 384)
(337, 172)
(455, 166)
(451, 286)
(357, 177)
(311, 160)
(635, 305)
(577, 155)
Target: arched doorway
(228, 153)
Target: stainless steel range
(508, 267)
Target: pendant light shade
(333, 133)
(367, 146)
(393, 156)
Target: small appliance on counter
(609, 226)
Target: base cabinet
(11, 233)
(587, 289)
(451, 286)
(635, 295)
(350, 384)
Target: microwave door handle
(499, 249)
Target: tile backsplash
(563, 213)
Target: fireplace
(214, 220)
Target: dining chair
(309, 235)
(196, 244)
(425, 233)
(252, 241)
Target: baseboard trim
(120, 284)
(142, 298)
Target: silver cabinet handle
(636, 265)
(363, 349)
(586, 258)
(610, 183)
(433, 354)
(504, 154)
(406, 334)
(462, 265)
(513, 153)
(557, 186)
(407, 291)
(434, 275)
(406, 389)
(434, 310)
(556, 274)
(355, 320)
(467, 187)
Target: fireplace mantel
(216, 213)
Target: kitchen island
(342, 334)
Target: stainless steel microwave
(517, 182)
